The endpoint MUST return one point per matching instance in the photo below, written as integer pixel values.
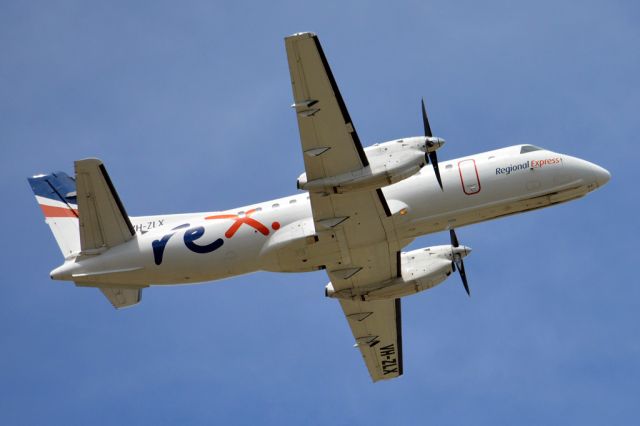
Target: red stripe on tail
(50, 211)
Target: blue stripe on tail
(56, 186)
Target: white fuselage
(278, 235)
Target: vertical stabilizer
(56, 195)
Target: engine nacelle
(421, 269)
(389, 162)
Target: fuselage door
(469, 176)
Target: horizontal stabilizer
(103, 220)
(122, 297)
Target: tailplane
(104, 223)
(122, 297)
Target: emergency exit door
(469, 176)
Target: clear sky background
(187, 103)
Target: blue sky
(188, 106)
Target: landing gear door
(469, 177)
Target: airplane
(357, 209)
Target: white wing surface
(358, 221)
(329, 139)
(376, 326)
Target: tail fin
(56, 195)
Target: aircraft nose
(602, 175)
(591, 174)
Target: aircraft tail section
(85, 214)
(86, 217)
(56, 196)
(104, 223)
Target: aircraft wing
(376, 326)
(329, 139)
(358, 222)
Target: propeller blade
(463, 275)
(457, 262)
(425, 121)
(454, 238)
(430, 157)
(436, 169)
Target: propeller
(457, 261)
(430, 155)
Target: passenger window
(275, 205)
(292, 201)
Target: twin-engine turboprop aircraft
(359, 208)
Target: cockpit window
(529, 148)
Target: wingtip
(303, 34)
